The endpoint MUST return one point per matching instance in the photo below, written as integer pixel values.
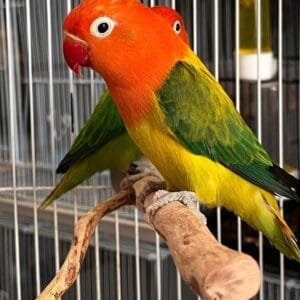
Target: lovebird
(179, 115)
(103, 142)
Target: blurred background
(43, 107)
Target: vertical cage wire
(34, 188)
(97, 258)
(178, 277)
(280, 122)
(12, 110)
(74, 133)
(33, 156)
(216, 39)
(178, 281)
(71, 92)
(216, 73)
(95, 198)
(173, 4)
(75, 212)
(118, 258)
(137, 254)
(195, 49)
(259, 122)
(51, 101)
(195, 27)
(96, 238)
(157, 243)
(237, 96)
(299, 92)
(158, 266)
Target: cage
(43, 107)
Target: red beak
(76, 53)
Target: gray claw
(138, 170)
(163, 197)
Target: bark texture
(212, 270)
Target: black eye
(177, 27)
(103, 27)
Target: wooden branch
(83, 232)
(213, 271)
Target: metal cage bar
(33, 157)
(237, 95)
(211, 34)
(280, 122)
(118, 262)
(51, 100)
(259, 122)
(97, 244)
(195, 49)
(216, 73)
(12, 110)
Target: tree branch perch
(212, 270)
(83, 232)
(209, 268)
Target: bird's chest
(166, 153)
(181, 169)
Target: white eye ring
(102, 27)
(177, 27)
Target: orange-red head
(174, 19)
(123, 40)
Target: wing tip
(288, 180)
(64, 164)
(46, 202)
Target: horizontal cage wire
(43, 106)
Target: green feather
(203, 118)
(104, 124)
(103, 143)
(116, 154)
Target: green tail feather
(67, 183)
(117, 154)
(293, 249)
(287, 245)
(274, 227)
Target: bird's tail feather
(288, 235)
(56, 193)
(282, 237)
(67, 183)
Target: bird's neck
(134, 88)
(134, 104)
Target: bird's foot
(138, 170)
(163, 197)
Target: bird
(179, 115)
(103, 142)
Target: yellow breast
(181, 169)
(213, 183)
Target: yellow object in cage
(249, 40)
(248, 31)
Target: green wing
(202, 117)
(103, 143)
(104, 125)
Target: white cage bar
(12, 110)
(42, 108)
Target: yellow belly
(181, 169)
(213, 183)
